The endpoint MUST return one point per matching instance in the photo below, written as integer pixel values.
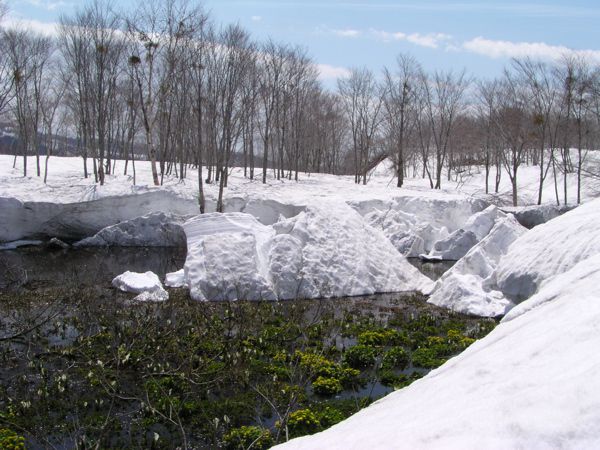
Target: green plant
(327, 386)
(302, 422)
(9, 440)
(243, 437)
(395, 358)
(329, 416)
(427, 358)
(360, 356)
(381, 336)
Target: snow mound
(414, 225)
(152, 230)
(334, 253)
(549, 249)
(533, 382)
(457, 244)
(469, 286)
(453, 247)
(325, 251)
(531, 216)
(146, 284)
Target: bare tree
(362, 104)
(29, 54)
(444, 96)
(399, 99)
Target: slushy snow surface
(147, 285)
(325, 251)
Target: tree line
(164, 83)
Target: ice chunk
(453, 247)
(146, 284)
(176, 279)
(482, 222)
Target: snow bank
(414, 225)
(549, 249)
(146, 284)
(469, 286)
(152, 230)
(325, 251)
(531, 216)
(78, 220)
(457, 244)
(533, 382)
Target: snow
(147, 285)
(19, 243)
(325, 251)
(469, 286)
(549, 249)
(151, 230)
(531, 216)
(533, 382)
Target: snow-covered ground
(533, 382)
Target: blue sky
(480, 36)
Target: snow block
(325, 251)
(146, 284)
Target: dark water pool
(38, 266)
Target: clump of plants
(9, 440)
(360, 356)
(246, 437)
(212, 373)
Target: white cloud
(256, 18)
(430, 40)
(349, 33)
(328, 72)
(45, 28)
(507, 49)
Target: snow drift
(469, 286)
(533, 382)
(325, 251)
(415, 225)
(549, 249)
(152, 230)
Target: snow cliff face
(325, 251)
(78, 220)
